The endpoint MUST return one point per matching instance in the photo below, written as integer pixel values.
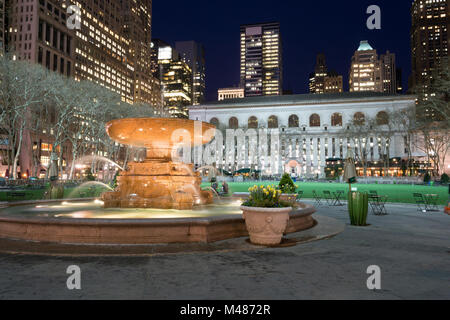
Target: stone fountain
(161, 181)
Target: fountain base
(158, 184)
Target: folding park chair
(317, 199)
(328, 197)
(420, 201)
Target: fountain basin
(160, 135)
(161, 181)
(82, 225)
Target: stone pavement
(411, 248)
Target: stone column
(376, 154)
(308, 155)
(315, 153)
(322, 156)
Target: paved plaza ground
(411, 248)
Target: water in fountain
(90, 159)
(76, 193)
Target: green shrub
(445, 178)
(286, 184)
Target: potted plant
(287, 188)
(266, 216)
(358, 206)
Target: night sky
(307, 27)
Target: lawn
(395, 193)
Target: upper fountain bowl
(159, 132)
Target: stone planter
(289, 197)
(266, 225)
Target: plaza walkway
(411, 248)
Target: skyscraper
(194, 55)
(388, 72)
(365, 70)
(176, 80)
(322, 81)
(137, 28)
(429, 39)
(317, 79)
(370, 73)
(111, 48)
(261, 59)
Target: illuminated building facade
(261, 59)
(137, 28)
(429, 39)
(333, 83)
(111, 47)
(176, 80)
(322, 81)
(230, 93)
(365, 70)
(388, 72)
(370, 73)
(307, 130)
(193, 54)
(37, 33)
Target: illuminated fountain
(158, 200)
(161, 181)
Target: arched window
(382, 118)
(359, 118)
(273, 122)
(314, 120)
(233, 123)
(293, 121)
(215, 122)
(336, 120)
(253, 122)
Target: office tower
(194, 55)
(38, 33)
(261, 59)
(230, 93)
(176, 81)
(2, 25)
(317, 79)
(333, 83)
(322, 81)
(108, 49)
(388, 72)
(365, 70)
(137, 29)
(429, 40)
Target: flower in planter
(265, 197)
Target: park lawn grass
(396, 193)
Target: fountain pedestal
(153, 184)
(158, 182)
